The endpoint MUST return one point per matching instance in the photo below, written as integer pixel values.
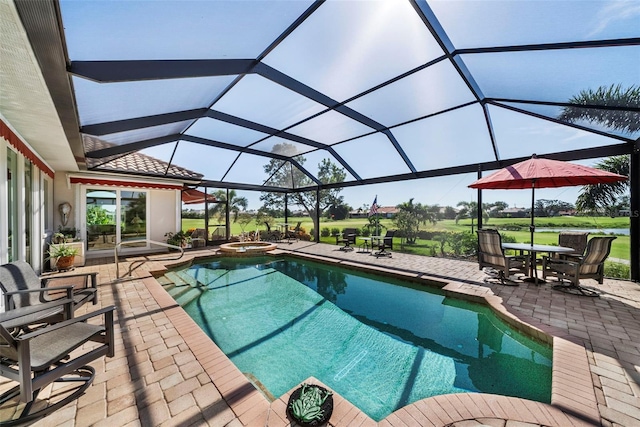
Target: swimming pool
(381, 343)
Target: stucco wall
(162, 217)
(163, 208)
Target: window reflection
(133, 214)
(101, 219)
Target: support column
(206, 216)
(634, 220)
(316, 232)
(479, 200)
(227, 219)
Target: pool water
(380, 343)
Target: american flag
(374, 207)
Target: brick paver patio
(167, 372)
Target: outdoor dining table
(367, 244)
(533, 250)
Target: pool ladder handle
(147, 241)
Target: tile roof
(133, 162)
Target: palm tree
(614, 95)
(470, 210)
(411, 216)
(599, 196)
(236, 204)
(593, 197)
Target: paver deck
(167, 372)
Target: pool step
(180, 278)
(188, 295)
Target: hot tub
(247, 248)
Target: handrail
(147, 241)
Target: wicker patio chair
(576, 240)
(384, 244)
(347, 238)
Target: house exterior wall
(163, 207)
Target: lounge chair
(347, 238)
(491, 255)
(292, 234)
(22, 288)
(591, 265)
(199, 238)
(271, 235)
(55, 353)
(385, 243)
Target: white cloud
(614, 12)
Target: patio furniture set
(381, 243)
(42, 342)
(573, 259)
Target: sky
(343, 49)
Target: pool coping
(573, 399)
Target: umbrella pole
(532, 227)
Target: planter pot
(327, 408)
(65, 262)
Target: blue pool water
(379, 342)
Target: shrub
(335, 231)
(325, 232)
(617, 270)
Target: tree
(411, 216)
(338, 212)
(236, 204)
(285, 174)
(546, 208)
(470, 210)
(614, 95)
(601, 196)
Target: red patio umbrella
(544, 173)
(191, 196)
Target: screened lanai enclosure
(258, 95)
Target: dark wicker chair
(491, 255)
(347, 238)
(577, 240)
(55, 353)
(384, 244)
(591, 265)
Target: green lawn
(619, 249)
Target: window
(12, 204)
(105, 227)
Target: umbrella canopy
(544, 173)
(191, 196)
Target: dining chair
(384, 244)
(577, 240)
(491, 255)
(590, 265)
(347, 238)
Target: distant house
(515, 213)
(383, 211)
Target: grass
(517, 228)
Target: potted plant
(64, 256)
(180, 238)
(310, 405)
